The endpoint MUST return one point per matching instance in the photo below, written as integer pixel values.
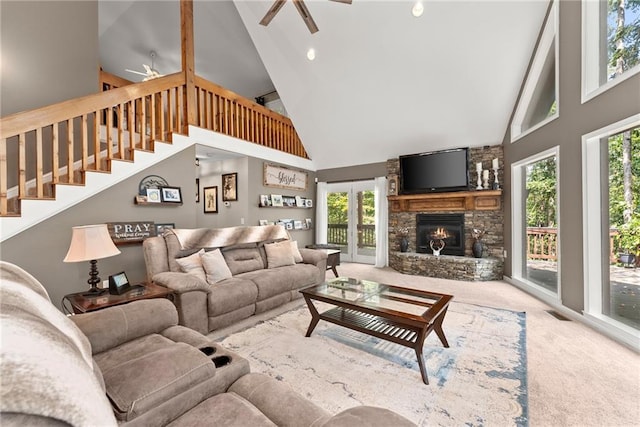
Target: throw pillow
(215, 266)
(192, 264)
(297, 256)
(279, 254)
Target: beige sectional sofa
(132, 365)
(220, 276)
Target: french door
(351, 220)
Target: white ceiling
(383, 83)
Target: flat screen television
(435, 171)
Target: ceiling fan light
(311, 54)
(418, 9)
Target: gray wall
(575, 120)
(49, 52)
(41, 249)
(353, 173)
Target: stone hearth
(447, 266)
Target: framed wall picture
(210, 196)
(265, 200)
(197, 190)
(276, 200)
(161, 227)
(153, 195)
(281, 177)
(170, 194)
(392, 185)
(230, 187)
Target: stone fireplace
(446, 227)
(472, 209)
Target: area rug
(481, 379)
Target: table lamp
(91, 243)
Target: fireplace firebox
(446, 227)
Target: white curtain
(382, 222)
(321, 213)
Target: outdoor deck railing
(542, 244)
(337, 234)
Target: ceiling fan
(150, 72)
(302, 9)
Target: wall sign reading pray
(281, 177)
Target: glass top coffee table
(400, 315)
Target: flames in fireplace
(439, 233)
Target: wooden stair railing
(223, 111)
(57, 144)
(64, 140)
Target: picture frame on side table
(230, 187)
(210, 196)
(170, 195)
(263, 222)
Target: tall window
(611, 235)
(538, 103)
(611, 40)
(536, 254)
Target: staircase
(54, 157)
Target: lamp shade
(90, 242)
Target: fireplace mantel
(481, 200)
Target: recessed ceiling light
(418, 9)
(311, 54)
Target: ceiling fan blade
(306, 16)
(343, 1)
(136, 72)
(275, 8)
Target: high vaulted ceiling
(383, 83)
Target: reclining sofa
(133, 365)
(221, 276)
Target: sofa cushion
(297, 256)
(192, 264)
(231, 294)
(215, 266)
(269, 282)
(225, 409)
(279, 254)
(243, 258)
(138, 385)
(116, 356)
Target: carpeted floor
(576, 376)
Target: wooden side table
(333, 256)
(85, 304)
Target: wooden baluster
(179, 102)
(109, 131)
(200, 94)
(4, 176)
(39, 165)
(55, 154)
(161, 111)
(131, 127)
(84, 138)
(143, 123)
(120, 114)
(152, 116)
(236, 119)
(97, 154)
(169, 111)
(70, 154)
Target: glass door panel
(338, 222)
(365, 248)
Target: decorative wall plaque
(281, 177)
(131, 232)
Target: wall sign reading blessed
(281, 177)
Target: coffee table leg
(418, 349)
(315, 317)
(437, 326)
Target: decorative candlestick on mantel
(485, 179)
(496, 184)
(479, 172)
